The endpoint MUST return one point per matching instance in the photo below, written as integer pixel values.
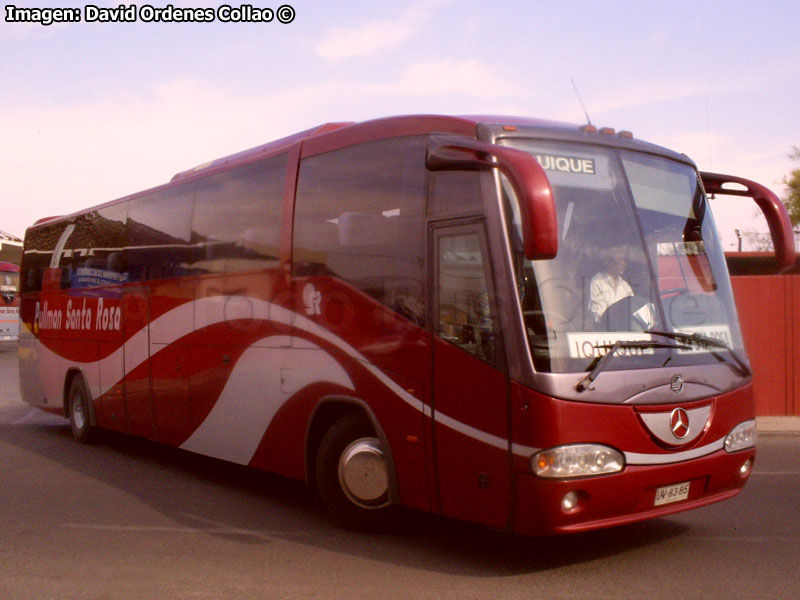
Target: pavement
(778, 425)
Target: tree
(792, 181)
(757, 241)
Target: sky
(92, 111)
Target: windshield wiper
(600, 363)
(704, 341)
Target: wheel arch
(328, 411)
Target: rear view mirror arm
(780, 226)
(527, 177)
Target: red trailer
(768, 302)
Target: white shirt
(605, 290)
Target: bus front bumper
(635, 494)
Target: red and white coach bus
(517, 323)
(9, 303)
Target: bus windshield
(639, 260)
(9, 284)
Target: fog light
(569, 502)
(747, 466)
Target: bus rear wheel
(79, 415)
(352, 474)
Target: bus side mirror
(530, 183)
(780, 226)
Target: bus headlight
(577, 460)
(743, 436)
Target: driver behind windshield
(608, 286)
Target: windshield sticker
(596, 344)
(572, 167)
(567, 164)
(681, 249)
(721, 333)
(91, 277)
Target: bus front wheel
(352, 474)
(78, 407)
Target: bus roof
(332, 135)
(268, 148)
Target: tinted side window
(87, 250)
(360, 215)
(237, 217)
(465, 316)
(40, 243)
(98, 243)
(455, 193)
(158, 234)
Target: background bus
(406, 312)
(9, 304)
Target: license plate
(672, 493)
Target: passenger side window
(465, 314)
(105, 234)
(237, 217)
(40, 244)
(360, 217)
(158, 234)
(109, 235)
(85, 251)
(454, 193)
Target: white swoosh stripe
(254, 393)
(486, 438)
(634, 458)
(198, 314)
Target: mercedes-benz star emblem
(679, 423)
(676, 385)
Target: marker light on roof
(588, 129)
(625, 135)
(607, 131)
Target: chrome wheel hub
(77, 413)
(362, 473)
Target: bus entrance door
(470, 391)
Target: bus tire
(79, 416)
(352, 474)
